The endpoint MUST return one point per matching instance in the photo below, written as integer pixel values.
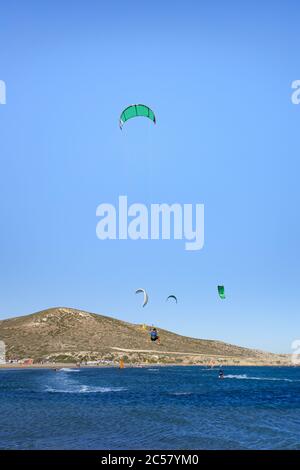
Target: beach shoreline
(60, 366)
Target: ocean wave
(246, 377)
(85, 389)
(67, 369)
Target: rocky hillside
(70, 335)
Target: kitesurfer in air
(154, 335)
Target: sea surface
(150, 408)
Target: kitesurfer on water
(221, 374)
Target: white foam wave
(246, 377)
(86, 389)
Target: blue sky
(218, 76)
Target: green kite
(221, 290)
(136, 110)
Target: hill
(70, 335)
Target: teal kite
(135, 110)
(221, 291)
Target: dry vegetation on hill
(70, 335)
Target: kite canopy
(172, 297)
(146, 298)
(221, 291)
(136, 110)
